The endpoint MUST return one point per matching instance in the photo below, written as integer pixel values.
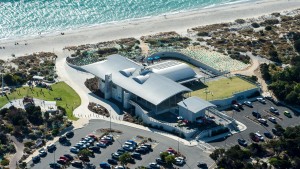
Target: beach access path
(179, 22)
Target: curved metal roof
(155, 89)
(177, 72)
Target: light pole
(206, 92)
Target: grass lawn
(70, 99)
(222, 88)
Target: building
(156, 88)
(194, 108)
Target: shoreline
(55, 32)
(178, 22)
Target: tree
(163, 155)
(170, 159)
(297, 45)
(4, 162)
(216, 154)
(125, 158)
(85, 153)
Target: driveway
(19, 152)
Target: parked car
(69, 134)
(69, 156)
(248, 103)
(104, 165)
(179, 161)
(261, 100)
(112, 161)
(268, 135)
(236, 107)
(74, 150)
(259, 136)
(263, 121)
(154, 166)
(61, 161)
(76, 163)
(36, 159)
(287, 114)
(54, 165)
(256, 114)
(101, 144)
(62, 139)
(42, 152)
(94, 148)
(136, 155)
(119, 167)
(160, 161)
(51, 147)
(202, 165)
(274, 111)
(127, 148)
(272, 119)
(242, 142)
(115, 155)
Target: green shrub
(202, 33)
(240, 21)
(5, 162)
(268, 28)
(255, 25)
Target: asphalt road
(193, 154)
(253, 126)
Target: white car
(260, 137)
(248, 103)
(272, 119)
(261, 120)
(179, 161)
(260, 99)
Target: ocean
(20, 18)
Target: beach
(178, 22)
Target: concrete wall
(180, 56)
(236, 96)
(157, 124)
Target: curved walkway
(19, 152)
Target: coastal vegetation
(90, 53)
(69, 98)
(284, 82)
(282, 152)
(21, 69)
(272, 36)
(31, 126)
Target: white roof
(152, 87)
(176, 71)
(195, 104)
(38, 77)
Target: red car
(61, 161)
(92, 135)
(64, 158)
(171, 150)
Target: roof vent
(127, 72)
(141, 79)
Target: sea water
(19, 18)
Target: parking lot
(245, 116)
(193, 154)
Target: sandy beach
(179, 22)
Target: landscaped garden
(70, 99)
(220, 89)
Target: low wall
(180, 56)
(236, 96)
(75, 66)
(157, 124)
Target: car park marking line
(247, 117)
(273, 115)
(154, 145)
